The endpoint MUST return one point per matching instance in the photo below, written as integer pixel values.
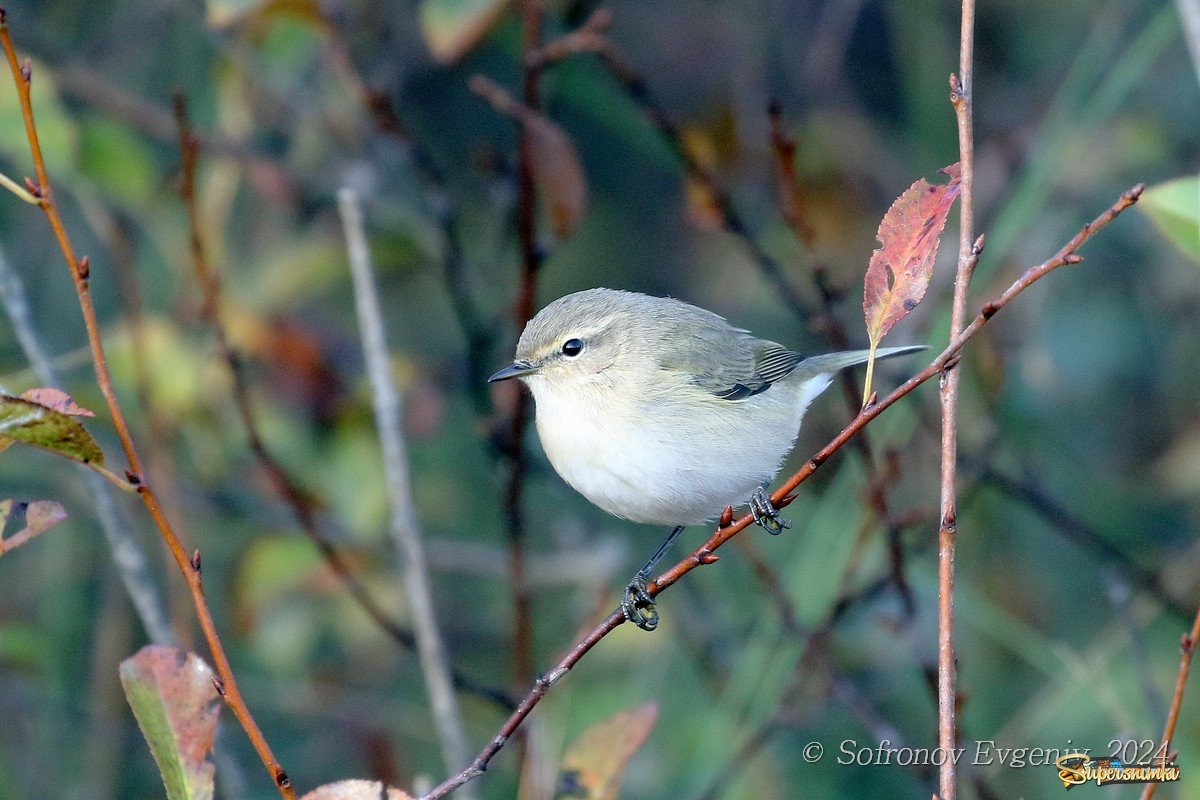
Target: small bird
(659, 411)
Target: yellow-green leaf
(32, 423)
(1174, 207)
(452, 28)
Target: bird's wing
(771, 362)
(725, 361)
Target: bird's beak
(514, 370)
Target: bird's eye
(572, 347)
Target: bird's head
(575, 338)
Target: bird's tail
(832, 362)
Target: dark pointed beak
(513, 370)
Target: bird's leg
(765, 514)
(637, 604)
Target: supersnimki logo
(1079, 768)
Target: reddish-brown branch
(705, 554)
(1188, 648)
(968, 257)
(189, 565)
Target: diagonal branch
(782, 496)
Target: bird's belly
(660, 471)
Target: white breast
(652, 460)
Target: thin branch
(782, 496)
(1187, 645)
(1075, 529)
(189, 565)
(405, 529)
(589, 37)
(17, 189)
(968, 256)
(531, 262)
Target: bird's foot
(765, 514)
(638, 605)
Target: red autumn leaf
(58, 400)
(900, 270)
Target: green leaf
(1174, 207)
(176, 705)
(32, 423)
(452, 28)
(223, 14)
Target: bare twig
(17, 189)
(782, 496)
(405, 530)
(587, 38)
(1076, 529)
(968, 256)
(531, 262)
(1188, 646)
(188, 564)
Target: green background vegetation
(1084, 389)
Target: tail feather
(832, 362)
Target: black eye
(572, 347)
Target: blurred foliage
(1084, 390)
